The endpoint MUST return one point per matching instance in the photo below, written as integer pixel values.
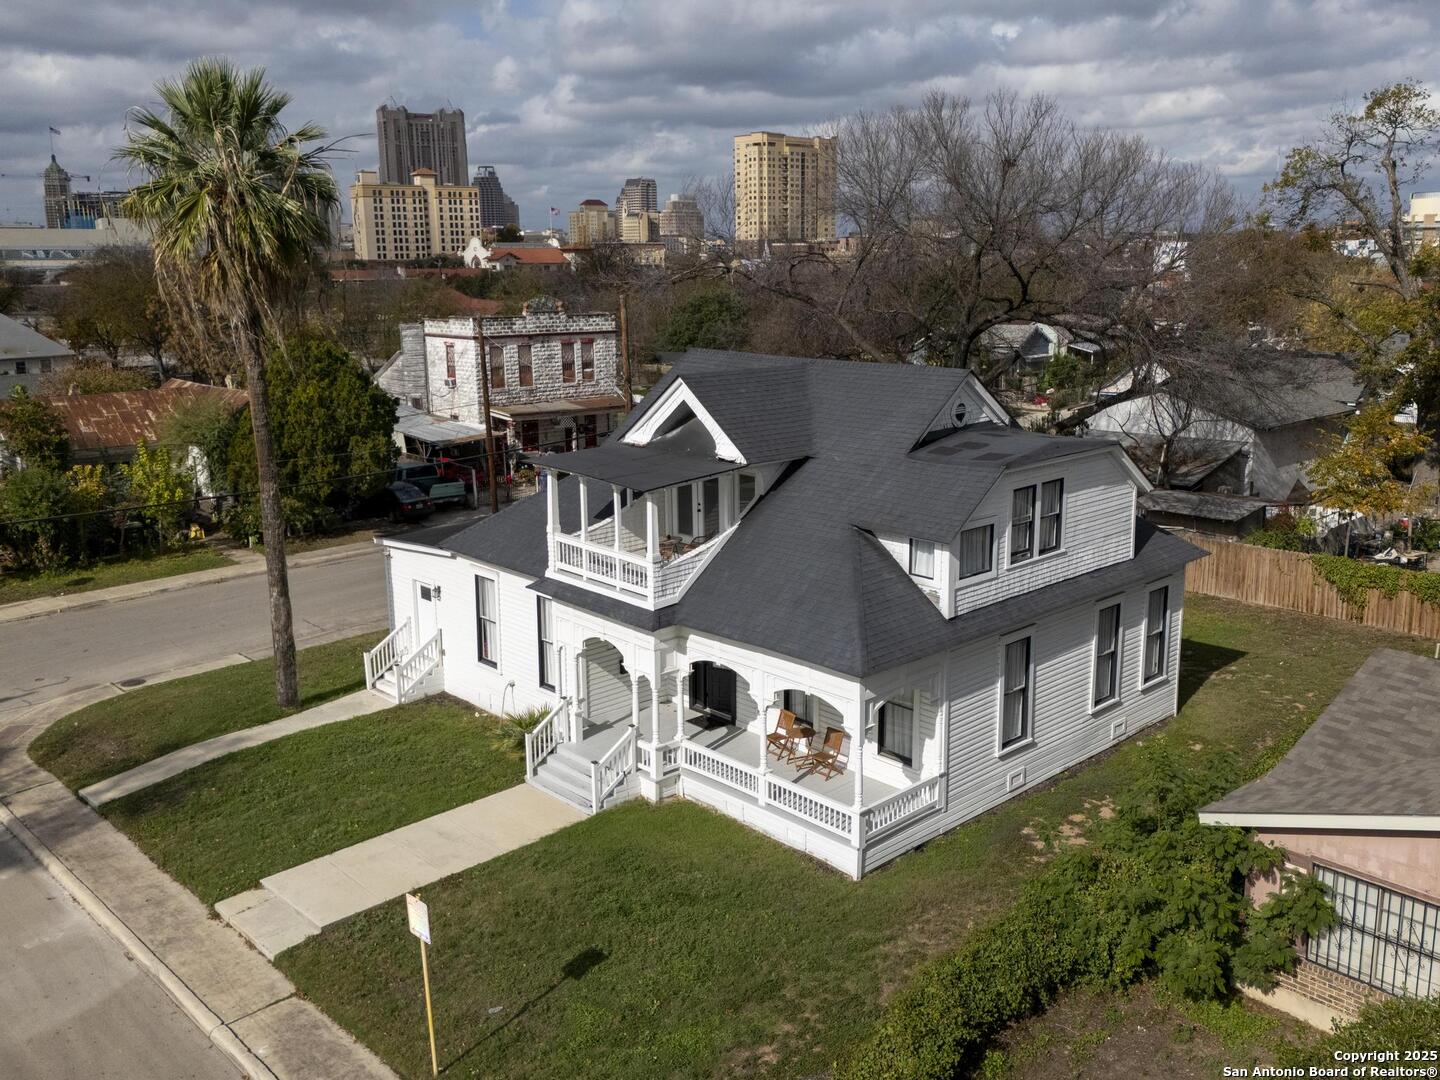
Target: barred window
(1385, 938)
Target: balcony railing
(634, 576)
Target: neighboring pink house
(1356, 803)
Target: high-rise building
(493, 199)
(638, 228)
(593, 223)
(637, 196)
(784, 187)
(512, 212)
(398, 222)
(56, 185)
(411, 140)
(682, 218)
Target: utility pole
(625, 358)
(484, 362)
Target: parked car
(426, 476)
(407, 502)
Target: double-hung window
(1157, 634)
(526, 372)
(567, 361)
(487, 621)
(1016, 694)
(744, 491)
(1107, 656)
(449, 363)
(977, 548)
(1022, 524)
(1052, 495)
(922, 558)
(497, 367)
(587, 360)
(549, 652)
(897, 731)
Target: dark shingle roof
(1374, 751)
(1202, 504)
(804, 576)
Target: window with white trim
(977, 551)
(487, 621)
(797, 702)
(1016, 693)
(922, 558)
(897, 731)
(745, 489)
(1157, 634)
(1384, 938)
(1022, 524)
(1052, 497)
(1107, 657)
(549, 651)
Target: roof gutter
(1324, 822)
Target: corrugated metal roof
(121, 419)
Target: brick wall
(1338, 993)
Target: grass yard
(672, 941)
(119, 733)
(221, 827)
(15, 587)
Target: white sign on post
(419, 916)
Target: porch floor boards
(738, 744)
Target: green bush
(1352, 579)
(1155, 894)
(1398, 1024)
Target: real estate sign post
(418, 916)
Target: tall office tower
(398, 222)
(492, 197)
(512, 212)
(637, 196)
(410, 141)
(56, 186)
(682, 217)
(784, 187)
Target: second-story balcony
(642, 540)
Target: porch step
(565, 779)
(385, 684)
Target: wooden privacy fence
(1287, 579)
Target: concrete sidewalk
(247, 564)
(348, 707)
(298, 903)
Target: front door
(426, 618)
(713, 691)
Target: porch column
(552, 503)
(652, 557)
(857, 765)
(682, 666)
(582, 699)
(615, 503)
(584, 509)
(656, 770)
(634, 696)
(764, 755)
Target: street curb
(19, 610)
(224, 1040)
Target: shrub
(509, 732)
(34, 533)
(1397, 1024)
(33, 431)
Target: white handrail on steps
(545, 736)
(382, 657)
(610, 771)
(410, 671)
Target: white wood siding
(936, 587)
(1065, 730)
(1097, 528)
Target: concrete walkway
(298, 903)
(187, 757)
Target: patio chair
(826, 760)
(785, 740)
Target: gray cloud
(568, 97)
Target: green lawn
(119, 733)
(14, 587)
(221, 827)
(672, 941)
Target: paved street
(55, 655)
(74, 1005)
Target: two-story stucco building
(847, 604)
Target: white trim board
(1324, 822)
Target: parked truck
(427, 477)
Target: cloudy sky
(567, 98)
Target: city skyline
(1207, 80)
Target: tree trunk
(272, 532)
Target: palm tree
(236, 205)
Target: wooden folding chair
(785, 740)
(826, 760)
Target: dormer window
(1022, 524)
(960, 411)
(922, 558)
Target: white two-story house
(954, 609)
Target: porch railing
(817, 809)
(410, 671)
(610, 771)
(382, 657)
(542, 739)
(598, 563)
(904, 806)
(645, 757)
(718, 766)
(670, 577)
